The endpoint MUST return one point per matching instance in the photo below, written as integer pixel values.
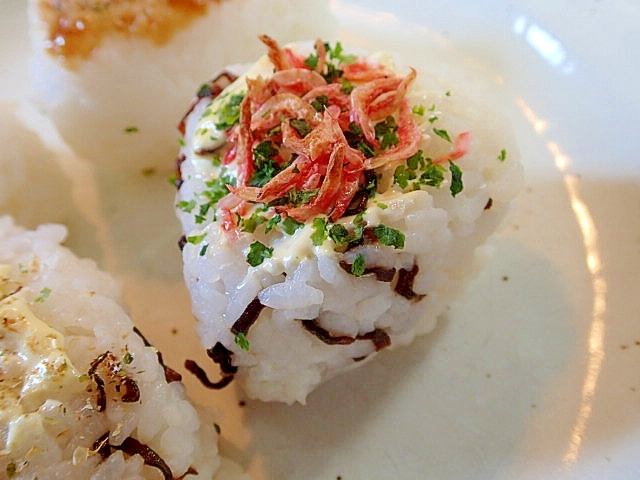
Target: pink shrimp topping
(307, 135)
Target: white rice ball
(83, 395)
(115, 78)
(286, 307)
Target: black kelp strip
(131, 446)
(221, 356)
(379, 337)
(248, 317)
(170, 375)
(404, 285)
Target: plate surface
(533, 373)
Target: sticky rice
(333, 205)
(114, 75)
(83, 394)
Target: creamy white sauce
(207, 136)
(34, 366)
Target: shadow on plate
(458, 400)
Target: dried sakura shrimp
(313, 127)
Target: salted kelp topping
(112, 381)
(130, 446)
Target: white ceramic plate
(534, 373)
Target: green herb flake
(181, 142)
(265, 166)
(265, 171)
(273, 221)
(290, 225)
(386, 132)
(333, 73)
(44, 294)
(311, 61)
(355, 139)
(204, 91)
(448, 93)
(418, 109)
(250, 224)
(347, 86)
(402, 175)
(242, 341)
(83, 378)
(131, 129)
(301, 126)
(442, 134)
(258, 252)
(456, 179)
(433, 175)
(319, 234)
(433, 118)
(186, 206)
(173, 180)
(202, 215)
(358, 265)
(196, 239)
(335, 53)
(217, 188)
(297, 197)
(371, 186)
(339, 234)
(203, 250)
(416, 161)
(389, 236)
(320, 103)
(127, 358)
(265, 150)
(229, 113)
(503, 155)
(275, 131)
(382, 206)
